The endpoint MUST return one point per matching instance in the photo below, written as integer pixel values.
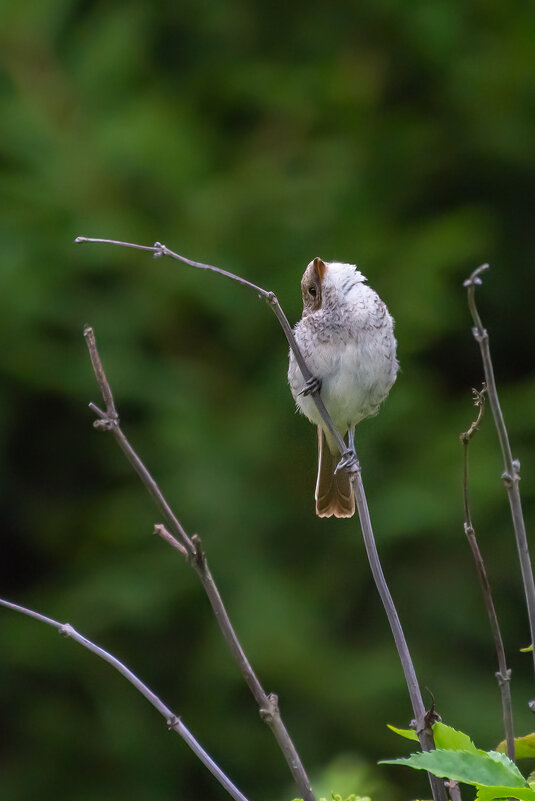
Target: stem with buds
(511, 474)
(504, 674)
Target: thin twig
(504, 674)
(511, 474)
(158, 250)
(352, 466)
(191, 549)
(109, 421)
(174, 723)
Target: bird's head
(327, 283)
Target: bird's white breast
(349, 344)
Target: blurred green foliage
(254, 136)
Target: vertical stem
(454, 791)
(504, 674)
(511, 474)
(423, 730)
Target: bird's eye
(312, 290)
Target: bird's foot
(312, 385)
(349, 462)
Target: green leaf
(448, 738)
(504, 760)
(352, 797)
(490, 793)
(445, 737)
(409, 734)
(480, 768)
(524, 746)
(527, 650)
(338, 797)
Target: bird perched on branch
(346, 336)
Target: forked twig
(504, 674)
(511, 474)
(352, 466)
(191, 549)
(174, 723)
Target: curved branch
(158, 250)
(174, 723)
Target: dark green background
(255, 136)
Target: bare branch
(109, 421)
(158, 250)
(424, 732)
(174, 723)
(504, 674)
(511, 474)
(351, 464)
(192, 550)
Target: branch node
(271, 709)
(503, 678)
(480, 336)
(510, 480)
(418, 727)
(66, 630)
(472, 282)
(453, 789)
(106, 423)
(531, 705)
(469, 530)
(198, 557)
(270, 297)
(160, 250)
(474, 279)
(172, 722)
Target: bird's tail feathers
(334, 494)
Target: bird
(346, 336)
